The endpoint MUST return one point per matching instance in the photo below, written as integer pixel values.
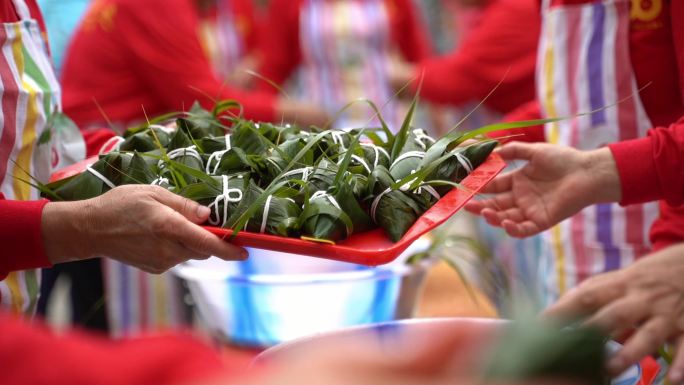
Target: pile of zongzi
(279, 179)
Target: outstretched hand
(556, 183)
(144, 226)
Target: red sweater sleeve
(32, 354)
(170, 59)
(652, 168)
(502, 48)
(408, 31)
(280, 51)
(20, 236)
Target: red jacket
(281, 53)
(131, 59)
(502, 48)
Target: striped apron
(30, 94)
(345, 56)
(584, 64)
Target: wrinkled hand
(556, 183)
(647, 297)
(144, 226)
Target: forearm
(64, 228)
(602, 176)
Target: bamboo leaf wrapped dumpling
(411, 154)
(323, 218)
(147, 140)
(180, 150)
(395, 211)
(97, 179)
(463, 161)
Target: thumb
(190, 209)
(517, 150)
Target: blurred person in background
(343, 50)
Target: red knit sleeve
(408, 30)
(652, 168)
(170, 59)
(501, 49)
(20, 236)
(247, 23)
(280, 51)
(668, 229)
(32, 354)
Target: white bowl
(275, 297)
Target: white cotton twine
(420, 136)
(407, 155)
(217, 156)
(264, 217)
(226, 198)
(159, 181)
(305, 171)
(377, 150)
(100, 177)
(358, 159)
(323, 194)
(465, 162)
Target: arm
(170, 59)
(32, 353)
(280, 51)
(652, 168)
(408, 30)
(501, 49)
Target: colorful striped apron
(30, 94)
(138, 301)
(584, 64)
(345, 56)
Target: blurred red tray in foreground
(370, 248)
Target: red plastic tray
(370, 248)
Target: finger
(191, 210)
(648, 338)
(676, 372)
(590, 296)
(501, 183)
(203, 242)
(495, 218)
(621, 314)
(521, 230)
(517, 150)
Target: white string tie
(323, 194)
(217, 156)
(226, 198)
(465, 162)
(377, 150)
(101, 177)
(264, 217)
(305, 171)
(420, 138)
(168, 130)
(376, 202)
(407, 155)
(360, 160)
(159, 181)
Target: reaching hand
(647, 297)
(144, 226)
(556, 183)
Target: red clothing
(32, 354)
(652, 168)
(130, 55)
(281, 52)
(657, 53)
(20, 236)
(502, 48)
